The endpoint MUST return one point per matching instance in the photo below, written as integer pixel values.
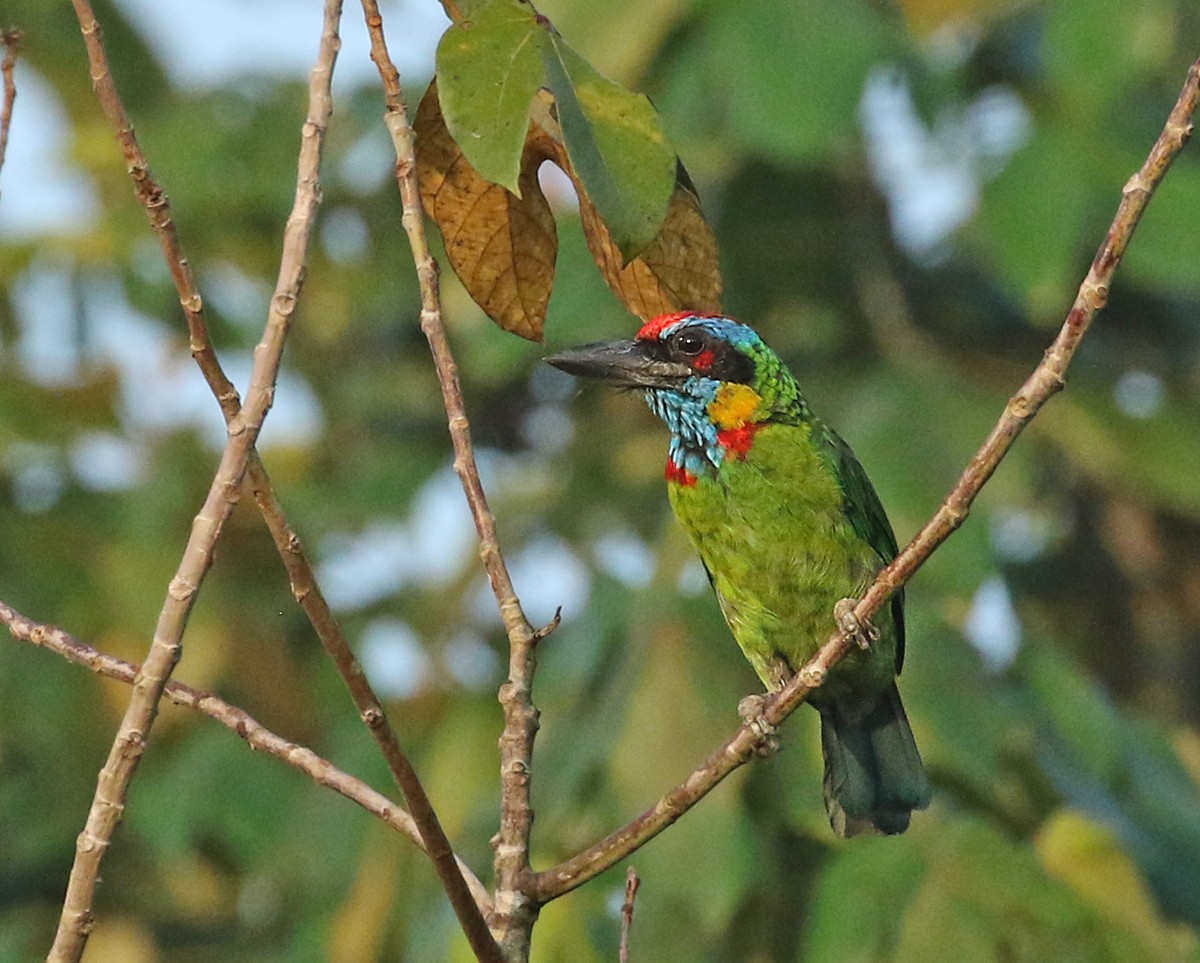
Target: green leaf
(985, 897)
(616, 145)
(1032, 217)
(881, 874)
(1087, 856)
(805, 110)
(489, 68)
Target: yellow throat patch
(734, 405)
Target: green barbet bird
(789, 527)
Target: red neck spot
(652, 329)
(679, 474)
(739, 441)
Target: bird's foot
(861, 632)
(752, 710)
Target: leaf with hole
(489, 68)
(616, 146)
(680, 270)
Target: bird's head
(711, 379)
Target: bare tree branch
(11, 39)
(300, 571)
(1047, 379)
(112, 785)
(514, 914)
(304, 585)
(237, 721)
(632, 882)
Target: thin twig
(11, 39)
(237, 721)
(300, 571)
(515, 914)
(112, 786)
(1047, 379)
(631, 888)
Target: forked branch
(302, 578)
(303, 581)
(113, 783)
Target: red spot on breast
(739, 441)
(652, 329)
(679, 474)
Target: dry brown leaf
(680, 271)
(502, 247)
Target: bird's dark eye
(690, 343)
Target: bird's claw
(861, 632)
(752, 710)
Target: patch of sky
(428, 549)
(344, 235)
(362, 568)
(160, 387)
(1020, 535)
(43, 192)
(548, 429)
(624, 557)
(524, 476)
(693, 579)
(1139, 394)
(48, 342)
(393, 658)
(106, 462)
(557, 187)
(240, 298)
(203, 44)
(992, 625)
(932, 176)
(471, 662)
(36, 476)
(442, 531)
(546, 574)
(368, 163)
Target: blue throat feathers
(694, 444)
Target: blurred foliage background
(906, 197)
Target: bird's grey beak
(622, 364)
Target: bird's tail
(874, 777)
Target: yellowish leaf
(358, 927)
(502, 247)
(1088, 858)
(680, 271)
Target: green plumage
(787, 525)
(779, 545)
(777, 534)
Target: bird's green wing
(867, 516)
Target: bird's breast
(772, 530)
